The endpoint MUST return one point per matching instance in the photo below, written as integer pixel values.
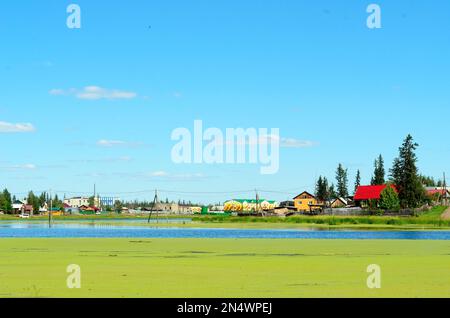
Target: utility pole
(95, 193)
(258, 210)
(155, 200)
(50, 218)
(444, 191)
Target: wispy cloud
(155, 176)
(27, 166)
(296, 143)
(16, 128)
(32, 167)
(159, 174)
(270, 139)
(103, 160)
(118, 143)
(20, 167)
(162, 175)
(94, 93)
(166, 176)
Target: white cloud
(94, 93)
(296, 143)
(28, 166)
(159, 174)
(163, 175)
(103, 160)
(271, 139)
(110, 143)
(56, 92)
(16, 128)
(119, 143)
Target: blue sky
(311, 68)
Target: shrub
(389, 199)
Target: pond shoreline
(120, 229)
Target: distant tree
(118, 206)
(389, 199)
(322, 193)
(342, 181)
(42, 199)
(332, 192)
(404, 174)
(33, 200)
(379, 172)
(91, 201)
(428, 181)
(357, 180)
(57, 203)
(7, 202)
(2, 202)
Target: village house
(44, 208)
(85, 209)
(17, 206)
(172, 208)
(437, 194)
(368, 196)
(339, 203)
(70, 210)
(77, 202)
(27, 209)
(306, 202)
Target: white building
(44, 208)
(18, 205)
(77, 202)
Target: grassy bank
(429, 220)
(222, 268)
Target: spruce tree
(379, 172)
(332, 192)
(322, 189)
(342, 181)
(358, 180)
(7, 204)
(405, 175)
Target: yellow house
(306, 202)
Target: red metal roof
(370, 192)
(440, 191)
